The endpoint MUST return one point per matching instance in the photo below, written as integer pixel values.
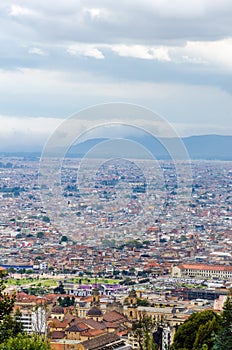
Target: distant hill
(205, 147)
(209, 147)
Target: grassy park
(53, 282)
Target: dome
(94, 311)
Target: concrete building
(222, 272)
(34, 320)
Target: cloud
(218, 53)
(193, 32)
(143, 52)
(215, 53)
(37, 51)
(95, 13)
(17, 11)
(189, 129)
(37, 92)
(85, 50)
(127, 22)
(174, 57)
(26, 132)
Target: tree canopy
(197, 331)
(12, 335)
(60, 289)
(143, 332)
(22, 342)
(9, 325)
(223, 340)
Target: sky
(58, 57)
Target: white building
(222, 272)
(34, 320)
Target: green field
(43, 282)
(50, 282)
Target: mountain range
(204, 147)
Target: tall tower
(95, 311)
(95, 296)
(132, 311)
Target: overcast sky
(60, 56)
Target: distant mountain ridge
(205, 147)
(202, 147)
(209, 147)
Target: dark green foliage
(9, 325)
(40, 234)
(59, 289)
(223, 340)
(142, 302)
(12, 336)
(144, 329)
(66, 301)
(197, 331)
(46, 219)
(227, 313)
(25, 342)
(6, 301)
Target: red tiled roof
(57, 335)
(55, 323)
(93, 332)
(114, 325)
(124, 332)
(82, 327)
(94, 324)
(113, 316)
(206, 267)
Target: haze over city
(116, 175)
(60, 57)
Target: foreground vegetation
(25, 342)
(12, 335)
(206, 330)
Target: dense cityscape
(133, 250)
(116, 175)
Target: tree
(46, 219)
(22, 342)
(66, 301)
(227, 313)
(9, 325)
(144, 333)
(197, 331)
(223, 340)
(12, 335)
(64, 239)
(11, 270)
(40, 234)
(142, 302)
(6, 301)
(59, 289)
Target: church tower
(95, 297)
(132, 311)
(95, 312)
